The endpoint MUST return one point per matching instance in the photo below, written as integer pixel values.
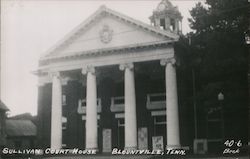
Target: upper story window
(64, 123)
(117, 104)
(64, 99)
(160, 120)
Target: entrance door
(120, 133)
(160, 129)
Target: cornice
(142, 24)
(106, 51)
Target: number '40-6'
(230, 143)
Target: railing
(156, 101)
(117, 104)
(82, 106)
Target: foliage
(217, 52)
(213, 59)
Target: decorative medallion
(106, 34)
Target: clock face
(161, 7)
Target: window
(18, 143)
(162, 23)
(172, 24)
(64, 99)
(160, 120)
(157, 98)
(118, 100)
(64, 123)
(160, 125)
(120, 134)
(120, 122)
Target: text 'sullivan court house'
(111, 83)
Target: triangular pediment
(107, 29)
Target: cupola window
(172, 25)
(162, 23)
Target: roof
(103, 10)
(15, 128)
(3, 106)
(24, 116)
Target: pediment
(107, 29)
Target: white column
(130, 107)
(173, 134)
(91, 109)
(56, 112)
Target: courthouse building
(112, 83)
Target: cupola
(167, 17)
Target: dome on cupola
(167, 17)
(164, 5)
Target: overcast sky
(30, 27)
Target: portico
(124, 49)
(129, 107)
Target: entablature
(111, 58)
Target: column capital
(54, 74)
(87, 69)
(164, 62)
(126, 65)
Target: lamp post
(194, 95)
(195, 106)
(221, 99)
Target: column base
(130, 148)
(173, 147)
(92, 149)
(56, 147)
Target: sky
(30, 27)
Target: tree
(218, 53)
